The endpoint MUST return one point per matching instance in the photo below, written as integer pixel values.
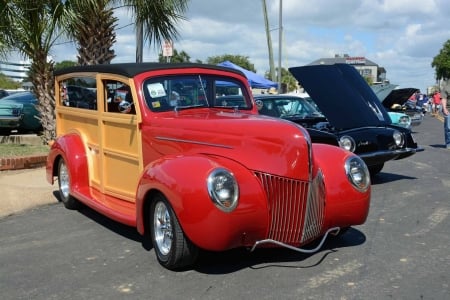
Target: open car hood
(398, 96)
(382, 90)
(342, 95)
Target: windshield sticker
(156, 104)
(156, 90)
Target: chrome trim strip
(270, 241)
(192, 142)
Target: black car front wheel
(173, 249)
(375, 169)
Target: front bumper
(379, 157)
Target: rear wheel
(173, 249)
(64, 186)
(375, 169)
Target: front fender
(182, 180)
(345, 205)
(69, 147)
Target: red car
(160, 151)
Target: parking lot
(401, 252)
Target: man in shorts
(445, 92)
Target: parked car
(29, 121)
(191, 172)
(3, 93)
(10, 116)
(397, 103)
(350, 114)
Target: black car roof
(133, 69)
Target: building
(367, 68)
(17, 71)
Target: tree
(92, 24)
(177, 57)
(65, 64)
(441, 62)
(242, 61)
(8, 83)
(31, 27)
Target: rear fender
(182, 180)
(69, 147)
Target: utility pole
(269, 42)
(139, 42)
(280, 42)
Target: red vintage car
(156, 148)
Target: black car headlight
(398, 138)
(223, 189)
(347, 142)
(357, 173)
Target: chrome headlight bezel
(404, 120)
(223, 189)
(357, 173)
(399, 138)
(347, 142)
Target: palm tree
(92, 25)
(31, 28)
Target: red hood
(268, 145)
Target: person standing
(445, 92)
(436, 102)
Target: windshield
(189, 91)
(285, 107)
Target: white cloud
(402, 36)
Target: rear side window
(168, 93)
(80, 92)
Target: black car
(350, 116)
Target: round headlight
(357, 173)
(347, 142)
(223, 189)
(404, 120)
(398, 138)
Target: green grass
(11, 150)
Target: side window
(79, 92)
(118, 97)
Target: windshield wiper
(183, 107)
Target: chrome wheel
(64, 180)
(162, 227)
(64, 186)
(172, 248)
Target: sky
(403, 36)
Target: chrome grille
(315, 208)
(295, 207)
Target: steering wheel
(125, 107)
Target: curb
(22, 162)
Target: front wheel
(375, 169)
(64, 186)
(173, 249)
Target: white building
(17, 71)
